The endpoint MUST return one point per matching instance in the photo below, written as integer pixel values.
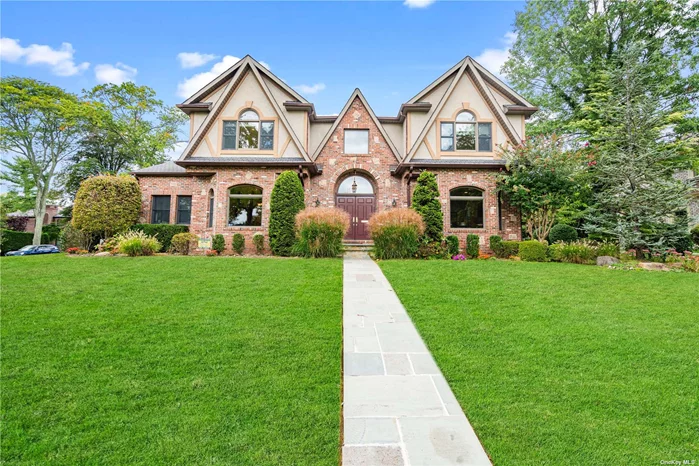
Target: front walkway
(398, 408)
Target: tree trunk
(39, 212)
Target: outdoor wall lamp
(394, 203)
(317, 202)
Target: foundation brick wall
(336, 167)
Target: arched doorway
(355, 195)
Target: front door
(359, 209)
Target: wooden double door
(359, 208)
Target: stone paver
(398, 408)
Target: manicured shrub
(71, 237)
(51, 232)
(286, 201)
(106, 205)
(561, 232)
(432, 250)
(162, 231)
(472, 246)
(608, 249)
(218, 244)
(183, 243)
(425, 201)
(258, 239)
(17, 223)
(320, 231)
(453, 245)
(532, 251)
(695, 235)
(495, 243)
(14, 240)
(238, 243)
(576, 252)
(396, 233)
(137, 243)
(509, 249)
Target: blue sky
(389, 50)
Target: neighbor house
(247, 126)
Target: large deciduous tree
(563, 47)
(134, 129)
(541, 177)
(41, 125)
(638, 201)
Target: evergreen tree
(426, 203)
(287, 201)
(638, 201)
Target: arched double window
(466, 207)
(244, 205)
(465, 133)
(247, 132)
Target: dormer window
(465, 134)
(247, 133)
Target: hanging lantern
(354, 182)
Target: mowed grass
(171, 360)
(563, 364)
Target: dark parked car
(31, 250)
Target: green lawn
(563, 364)
(170, 360)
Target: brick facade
(336, 166)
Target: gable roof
(466, 66)
(252, 67)
(221, 79)
(357, 94)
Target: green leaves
(425, 201)
(287, 200)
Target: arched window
(248, 132)
(355, 184)
(466, 207)
(466, 134)
(210, 213)
(244, 205)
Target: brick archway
(358, 199)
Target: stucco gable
(246, 88)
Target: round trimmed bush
(218, 244)
(106, 205)
(561, 232)
(286, 202)
(320, 232)
(182, 243)
(396, 233)
(533, 251)
(238, 243)
(453, 245)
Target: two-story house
(247, 126)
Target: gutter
(397, 170)
(313, 168)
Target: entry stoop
(358, 246)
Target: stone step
(360, 247)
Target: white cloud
(60, 61)
(194, 59)
(494, 59)
(175, 152)
(115, 74)
(306, 89)
(418, 3)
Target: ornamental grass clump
(137, 243)
(396, 233)
(319, 232)
(576, 252)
